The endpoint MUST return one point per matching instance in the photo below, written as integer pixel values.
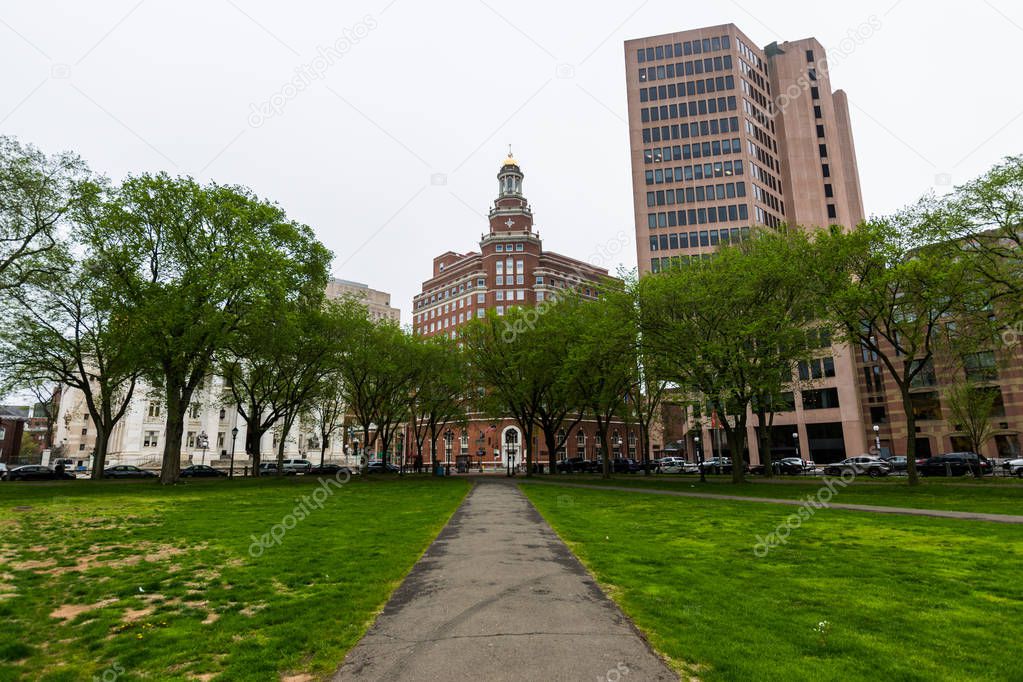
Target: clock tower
(511, 212)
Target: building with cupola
(509, 269)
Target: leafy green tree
(898, 291)
(440, 394)
(188, 262)
(602, 357)
(37, 194)
(729, 331)
(61, 331)
(379, 372)
(972, 408)
(501, 364)
(984, 220)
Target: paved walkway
(498, 596)
(909, 511)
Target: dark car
(270, 469)
(793, 466)
(127, 471)
(202, 471)
(954, 464)
(37, 472)
(329, 470)
(897, 463)
(624, 465)
(381, 467)
(577, 465)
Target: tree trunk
(907, 408)
(606, 446)
(644, 444)
(171, 465)
(99, 459)
(736, 441)
(323, 448)
(764, 444)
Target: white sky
(442, 87)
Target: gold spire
(510, 161)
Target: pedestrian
(59, 468)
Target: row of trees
(164, 281)
(935, 284)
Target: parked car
(624, 465)
(127, 471)
(37, 472)
(719, 464)
(299, 466)
(792, 466)
(577, 465)
(875, 467)
(202, 471)
(1014, 467)
(270, 469)
(331, 470)
(897, 463)
(381, 467)
(677, 465)
(954, 464)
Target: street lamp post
(203, 443)
(401, 453)
(234, 437)
(509, 444)
(795, 438)
(699, 456)
(448, 435)
(877, 439)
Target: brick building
(510, 269)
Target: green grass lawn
(904, 598)
(930, 494)
(138, 580)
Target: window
(832, 211)
(809, 56)
(194, 411)
(924, 376)
(826, 170)
(820, 399)
(500, 295)
(520, 247)
(500, 310)
(150, 439)
(823, 149)
(926, 406)
(820, 130)
(829, 190)
(499, 248)
(154, 408)
(980, 366)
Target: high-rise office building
(724, 136)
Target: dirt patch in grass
(135, 615)
(71, 611)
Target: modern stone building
(378, 303)
(726, 135)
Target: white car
(1014, 466)
(677, 465)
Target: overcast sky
(390, 149)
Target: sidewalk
(498, 596)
